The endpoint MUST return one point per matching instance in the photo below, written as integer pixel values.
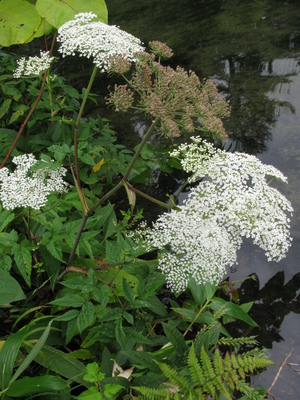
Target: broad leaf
(62, 363)
(10, 290)
(232, 310)
(57, 12)
(19, 20)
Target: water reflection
(272, 303)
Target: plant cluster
(87, 297)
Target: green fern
(209, 377)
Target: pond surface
(252, 50)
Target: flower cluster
(90, 38)
(177, 96)
(34, 66)
(232, 201)
(25, 188)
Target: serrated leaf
(128, 292)
(74, 300)
(5, 107)
(10, 290)
(67, 316)
(93, 373)
(54, 249)
(5, 262)
(176, 338)
(6, 217)
(120, 334)
(85, 316)
(91, 394)
(23, 259)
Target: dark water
(251, 48)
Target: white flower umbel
(96, 39)
(25, 188)
(34, 66)
(232, 201)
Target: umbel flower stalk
(232, 201)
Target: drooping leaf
(57, 12)
(10, 290)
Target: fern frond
(174, 377)
(195, 368)
(237, 342)
(154, 394)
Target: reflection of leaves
(272, 303)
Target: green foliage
(114, 326)
(22, 21)
(206, 377)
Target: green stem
(197, 316)
(86, 94)
(152, 199)
(129, 168)
(78, 236)
(140, 148)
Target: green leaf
(201, 293)
(23, 259)
(85, 316)
(58, 12)
(128, 292)
(67, 316)
(142, 358)
(32, 354)
(5, 262)
(93, 373)
(5, 106)
(176, 338)
(10, 290)
(232, 310)
(120, 334)
(110, 389)
(74, 300)
(18, 21)
(62, 364)
(6, 217)
(8, 355)
(39, 384)
(91, 394)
